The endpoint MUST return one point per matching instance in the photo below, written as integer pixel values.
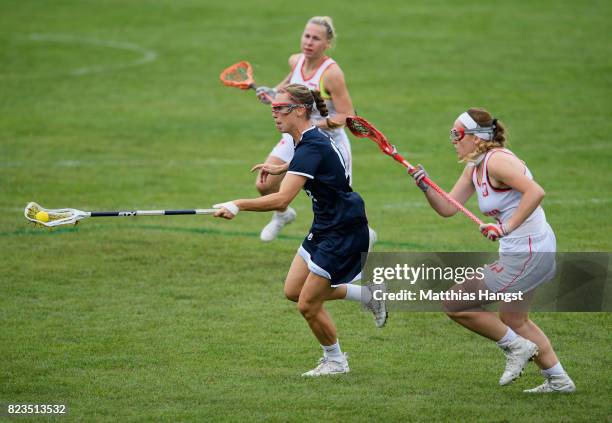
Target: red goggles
(457, 134)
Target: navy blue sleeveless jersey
(334, 204)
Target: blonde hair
(327, 22)
(484, 119)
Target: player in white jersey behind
(507, 192)
(313, 69)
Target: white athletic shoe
(272, 229)
(518, 353)
(555, 383)
(373, 238)
(328, 366)
(378, 307)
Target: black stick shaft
(148, 213)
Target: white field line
(145, 55)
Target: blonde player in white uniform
(316, 71)
(507, 192)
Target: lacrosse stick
(240, 75)
(361, 128)
(58, 217)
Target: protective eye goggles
(457, 134)
(285, 108)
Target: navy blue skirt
(336, 254)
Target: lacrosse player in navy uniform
(329, 258)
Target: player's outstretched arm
(290, 187)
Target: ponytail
(484, 119)
(319, 102)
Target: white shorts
(284, 150)
(524, 263)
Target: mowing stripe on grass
(124, 163)
(206, 231)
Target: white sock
(282, 214)
(332, 351)
(358, 293)
(555, 370)
(507, 338)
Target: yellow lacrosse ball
(42, 216)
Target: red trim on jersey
(497, 189)
(315, 71)
(486, 170)
(522, 270)
(475, 178)
(294, 65)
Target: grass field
(111, 105)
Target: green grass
(183, 318)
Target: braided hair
(300, 94)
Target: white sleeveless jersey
(502, 203)
(314, 83)
(284, 150)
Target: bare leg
(472, 316)
(310, 291)
(520, 323)
(518, 350)
(298, 272)
(483, 323)
(314, 293)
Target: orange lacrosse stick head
(239, 75)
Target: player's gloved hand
(418, 175)
(493, 231)
(265, 94)
(227, 210)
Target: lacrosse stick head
(238, 75)
(52, 217)
(361, 128)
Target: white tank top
(315, 83)
(502, 203)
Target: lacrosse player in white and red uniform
(313, 69)
(506, 192)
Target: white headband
(471, 124)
